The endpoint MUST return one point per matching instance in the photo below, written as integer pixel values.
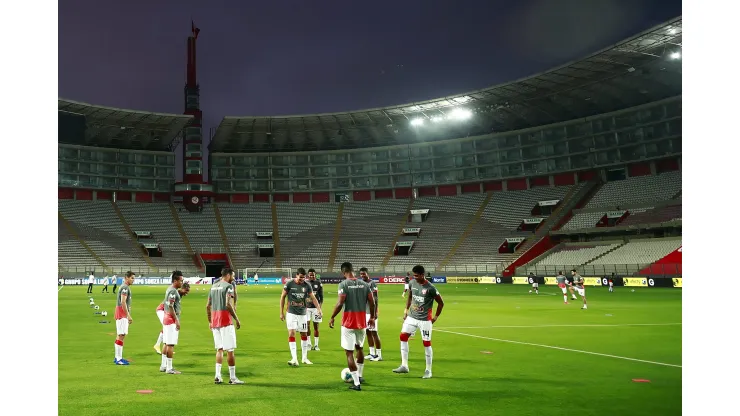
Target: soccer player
(611, 283)
(578, 283)
(183, 291)
(220, 311)
(105, 285)
(296, 291)
(123, 317)
(570, 285)
(356, 297)
(313, 316)
(406, 280)
(418, 315)
(373, 340)
(171, 322)
(535, 285)
(115, 282)
(561, 284)
(256, 279)
(90, 281)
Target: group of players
(357, 298)
(566, 285)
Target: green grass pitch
(491, 356)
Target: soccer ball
(92, 300)
(97, 307)
(346, 375)
(104, 313)
(92, 303)
(633, 290)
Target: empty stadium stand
(637, 190)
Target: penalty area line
(556, 326)
(561, 348)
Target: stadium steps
(335, 240)
(469, 229)
(134, 240)
(276, 235)
(222, 231)
(185, 240)
(604, 253)
(401, 225)
(84, 244)
(582, 198)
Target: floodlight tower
(193, 188)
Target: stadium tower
(193, 189)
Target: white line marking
(560, 348)
(554, 326)
(60, 289)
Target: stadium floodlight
(460, 114)
(417, 121)
(676, 55)
(437, 119)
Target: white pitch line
(554, 326)
(60, 289)
(561, 348)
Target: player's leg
(309, 317)
(229, 337)
(160, 338)
(115, 287)
(292, 324)
(410, 325)
(359, 341)
(121, 332)
(305, 343)
(373, 335)
(348, 342)
(537, 288)
(572, 293)
(426, 339)
(370, 340)
(582, 292)
(219, 344)
(316, 334)
(170, 339)
(405, 289)
(565, 294)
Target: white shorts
(171, 334)
(410, 325)
(367, 318)
(224, 338)
(160, 315)
(296, 322)
(581, 290)
(405, 286)
(352, 338)
(564, 289)
(537, 285)
(122, 326)
(313, 316)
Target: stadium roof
(641, 69)
(124, 129)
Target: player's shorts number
(425, 334)
(304, 327)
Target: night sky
(283, 57)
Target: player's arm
(320, 294)
(372, 305)
(208, 309)
(408, 305)
(315, 302)
(338, 307)
(236, 295)
(377, 302)
(124, 305)
(230, 307)
(171, 311)
(282, 304)
(440, 306)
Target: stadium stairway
(134, 240)
(276, 235)
(401, 225)
(540, 242)
(604, 253)
(335, 240)
(464, 236)
(191, 254)
(222, 231)
(84, 244)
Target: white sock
(359, 369)
(378, 354)
(372, 350)
(428, 355)
(232, 372)
(169, 364)
(164, 361)
(355, 378)
(159, 340)
(293, 350)
(305, 346)
(565, 298)
(404, 354)
(574, 297)
(315, 341)
(218, 370)
(119, 351)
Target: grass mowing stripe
(560, 348)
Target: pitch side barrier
(591, 281)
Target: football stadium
(546, 213)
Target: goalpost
(267, 272)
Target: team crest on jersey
(423, 291)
